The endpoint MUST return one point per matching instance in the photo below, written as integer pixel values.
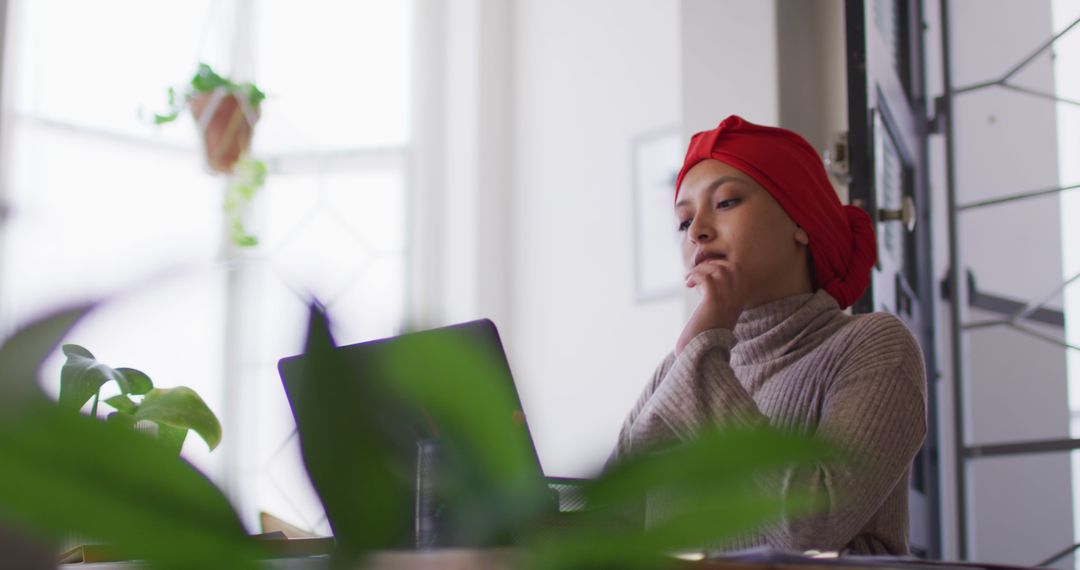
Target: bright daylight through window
(104, 204)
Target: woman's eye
(727, 203)
(684, 225)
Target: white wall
(590, 77)
(462, 163)
(526, 113)
(729, 62)
(812, 68)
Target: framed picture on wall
(657, 157)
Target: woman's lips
(705, 255)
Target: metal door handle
(905, 215)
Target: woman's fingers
(722, 298)
(720, 280)
(712, 270)
(698, 273)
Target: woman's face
(723, 213)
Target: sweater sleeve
(623, 444)
(633, 515)
(875, 412)
(875, 409)
(700, 388)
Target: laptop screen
(368, 362)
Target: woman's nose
(700, 230)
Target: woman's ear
(801, 237)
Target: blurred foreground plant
(66, 473)
(348, 423)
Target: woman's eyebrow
(712, 187)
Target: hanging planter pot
(226, 122)
(225, 113)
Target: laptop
(365, 361)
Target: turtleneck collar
(773, 329)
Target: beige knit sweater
(800, 363)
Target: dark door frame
(864, 102)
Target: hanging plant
(250, 176)
(225, 113)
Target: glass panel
(1006, 401)
(337, 235)
(1067, 84)
(884, 13)
(1020, 509)
(282, 487)
(91, 215)
(890, 19)
(103, 205)
(373, 303)
(891, 186)
(337, 74)
(372, 206)
(100, 64)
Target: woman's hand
(723, 298)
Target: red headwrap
(842, 241)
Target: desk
(508, 559)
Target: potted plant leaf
(66, 474)
(225, 114)
(172, 412)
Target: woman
(777, 258)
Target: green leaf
(207, 80)
(462, 384)
(82, 376)
(250, 177)
(255, 95)
(723, 516)
(22, 354)
(171, 437)
(70, 474)
(182, 408)
(122, 404)
(491, 487)
(244, 240)
(349, 439)
(76, 350)
(162, 119)
(600, 545)
(138, 382)
(710, 461)
(127, 421)
(240, 237)
(710, 487)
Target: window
(102, 203)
